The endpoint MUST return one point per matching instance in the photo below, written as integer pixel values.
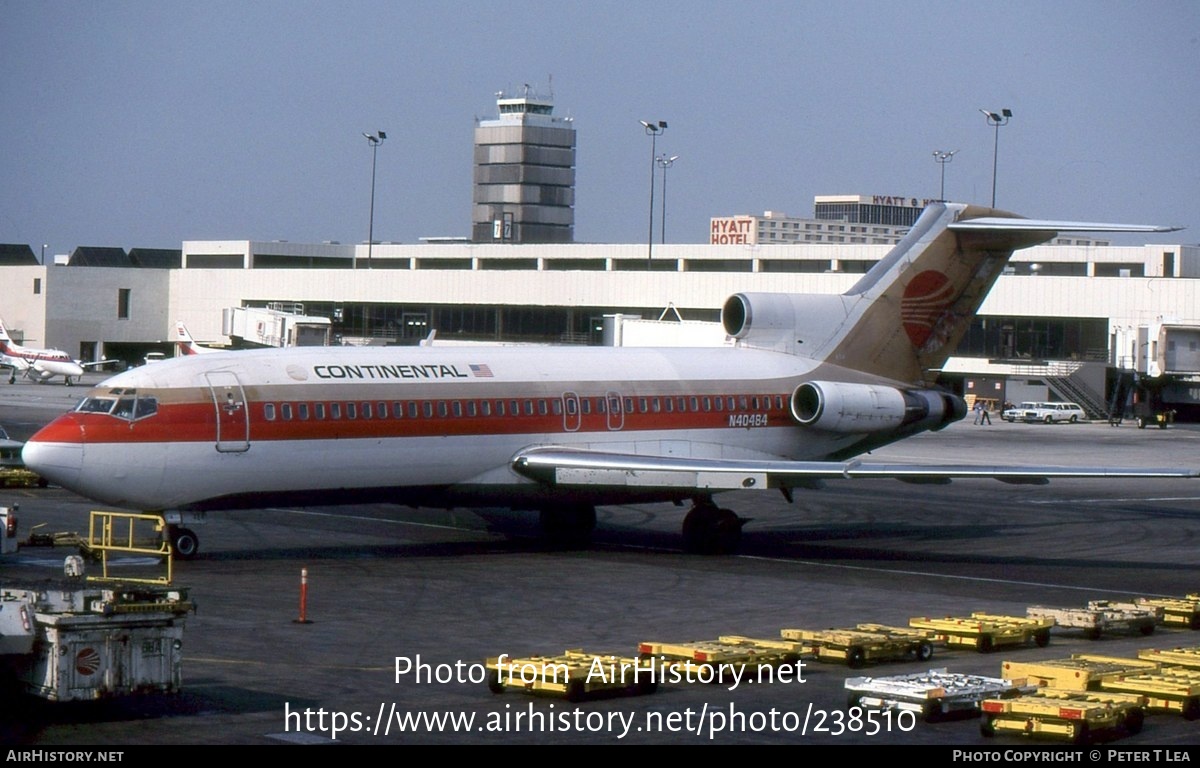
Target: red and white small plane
(812, 382)
(41, 365)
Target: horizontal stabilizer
(1005, 224)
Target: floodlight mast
(996, 120)
(653, 129)
(375, 140)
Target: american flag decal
(481, 371)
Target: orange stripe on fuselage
(196, 422)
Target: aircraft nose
(56, 452)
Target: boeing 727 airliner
(812, 382)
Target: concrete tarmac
(434, 593)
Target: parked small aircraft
(41, 365)
(812, 382)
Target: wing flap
(574, 467)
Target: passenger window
(366, 410)
(286, 411)
(319, 411)
(456, 408)
(427, 408)
(472, 408)
(302, 411)
(335, 410)
(486, 406)
(269, 411)
(351, 411)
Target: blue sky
(150, 123)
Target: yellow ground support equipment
(1171, 689)
(1175, 657)
(1068, 715)
(933, 695)
(21, 478)
(574, 675)
(865, 643)
(1079, 672)
(986, 632)
(1100, 616)
(1158, 687)
(727, 659)
(1178, 612)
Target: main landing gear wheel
(184, 542)
(709, 530)
(568, 526)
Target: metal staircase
(1075, 391)
(1061, 379)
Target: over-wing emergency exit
(812, 382)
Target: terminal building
(1074, 320)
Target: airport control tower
(524, 189)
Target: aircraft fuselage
(421, 425)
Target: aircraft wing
(99, 363)
(573, 467)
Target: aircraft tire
(184, 543)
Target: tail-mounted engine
(857, 408)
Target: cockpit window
(129, 407)
(124, 409)
(96, 404)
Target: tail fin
(184, 343)
(4, 333)
(907, 314)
